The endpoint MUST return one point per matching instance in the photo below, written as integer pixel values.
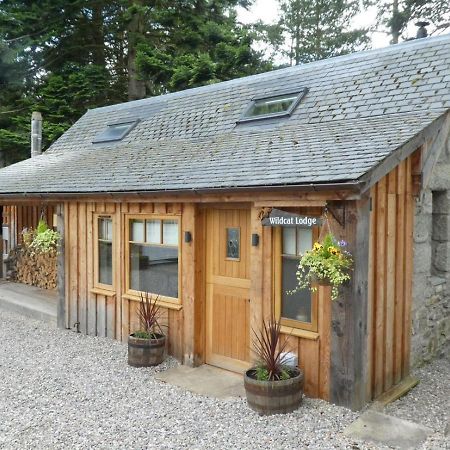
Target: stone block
(441, 257)
(422, 258)
(441, 227)
(422, 228)
(441, 200)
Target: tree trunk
(395, 22)
(98, 44)
(136, 87)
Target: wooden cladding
(390, 278)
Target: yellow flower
(317, 246)
(333, 250)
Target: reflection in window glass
(137, 231)
(233, 243)
(105, 251)
(154, 257)
(295, 306)
(170, 232)
(153, 231)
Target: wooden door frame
(206, 324)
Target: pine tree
(396, 15)
(318, 29)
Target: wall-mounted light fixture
(255, 240)
(187, 236)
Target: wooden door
(227, 288)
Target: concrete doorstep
(383, 429)
(205, 380)
(29, 301)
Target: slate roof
(359, 109)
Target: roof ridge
(335, 60)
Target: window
(103, 252)
(276, 106)
(153, 256)
(233, 243)
(297, 310)
(115, 132)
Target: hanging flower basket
(327, 264)
(325, 281)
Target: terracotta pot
(274, 397)
(146, 352)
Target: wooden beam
(289, 203)
(395, 158)
(61, 269)
(349, 330)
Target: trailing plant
(268, 348)
(149, 314)
(327, 261)
(42, 239)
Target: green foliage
(316, 29)
(144, 335)
(268, 347)
(62, 58)
(42, 239)
(149, 314)
(397, 15)
(327, 261)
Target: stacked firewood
(36, 269)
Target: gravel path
(63, 390)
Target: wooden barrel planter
(274, 397)
(146, 352)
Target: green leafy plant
(268, 348)
(328, 262)
(149, 314)
(42, 239)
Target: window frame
(278, 280)
(97, 285)
(132, 293)
(300, 92)
(98, 137)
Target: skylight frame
(300, 92)
(101, 138)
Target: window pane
(154, 269)
(170, 232)
(289, 241)
(294, 306)
(105, 262)
(272, 105)
(105, 229)
(137, 231)
(114, 132)
(233, 243)
(304, 240)
(153, 231)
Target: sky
(267, 11)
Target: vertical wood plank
(73, 267)
(92, 298)
(187, 267)
(380, 291)
(101, 316)
(324, 341)
(82, 272)
(61, 268)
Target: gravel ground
(63, 390)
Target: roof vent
(36, 134)
(422, 32)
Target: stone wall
(431, 283)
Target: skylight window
(115, 132)
(275, 106)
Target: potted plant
(327, 263)
(272, 387)
(146, 347)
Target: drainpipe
(36, 134)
